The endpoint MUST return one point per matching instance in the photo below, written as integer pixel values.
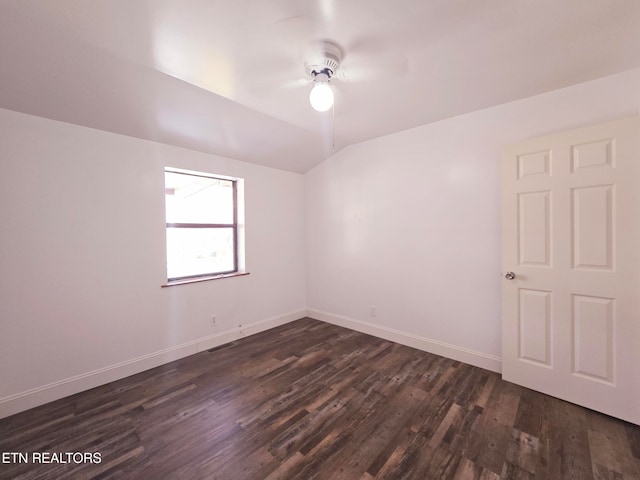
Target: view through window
(202, 225)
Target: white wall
(82, 258)
(409, 223)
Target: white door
(571, 237)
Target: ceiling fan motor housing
(325, 58)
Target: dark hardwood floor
(312, 400)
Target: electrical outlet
(373, 311)
(214, 320)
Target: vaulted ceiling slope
(227, 77)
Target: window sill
(203, 279)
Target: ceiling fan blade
(366, 46)
(271, 72)
(297, 83)
(375, 68)
(269, 84)
(301, 28)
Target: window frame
(233, 226)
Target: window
(202, 225)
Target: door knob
(510, 275)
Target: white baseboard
(69, 386)
(472, 357)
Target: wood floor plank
(522, 452)
(609, 446)
(569, 453)
(310, 400)
(633, 436)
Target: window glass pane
(199, 251)
(194, 199)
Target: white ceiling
(224, 76)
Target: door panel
(571, 234)
(535, 326)
(593, 337)
(592, 226)
(534, 236)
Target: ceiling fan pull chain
(333, 126)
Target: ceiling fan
(321, 66)
(326, 61)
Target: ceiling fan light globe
(321, 97)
